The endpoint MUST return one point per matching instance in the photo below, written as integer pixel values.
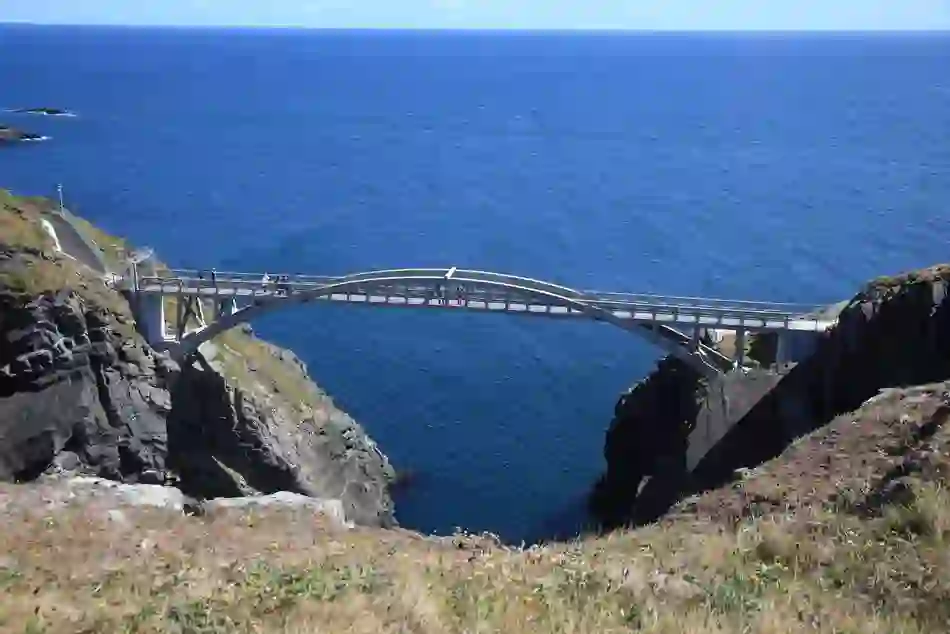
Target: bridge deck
(481, 291)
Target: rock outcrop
(49, 112)
(273, 430)
(81, 393)
(651, 425)
(692, 435)
(72, 392)
(13, 135)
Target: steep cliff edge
(895, 332)
(82, 393)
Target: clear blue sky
(491, 14)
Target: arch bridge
(208, 304)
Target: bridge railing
(423, 281)
(225, 277)
(682, 300)
(715, 305)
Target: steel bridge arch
(701, 357)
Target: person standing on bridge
(214, 279)
(283, 285)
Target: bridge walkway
(673, 322)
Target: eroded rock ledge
(82, 394)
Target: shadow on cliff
(211, 443)
(892, 335)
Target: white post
(200, 312)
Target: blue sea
(773, 166)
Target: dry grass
(31, 275)
(869, 551)
(19, 223)
(34, 268)
(113, 249)
(248, 361)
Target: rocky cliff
(82, 393)
(692, 435)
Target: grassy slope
(34, 268)
(848, 531)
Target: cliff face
(650, 427)
(275, 431)
(71, 391)
(895, 332)
(82, 393)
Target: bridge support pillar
(226, 307)
(795, 346)
(740, 348)
(694, 340)
(149, 309)
(151, 319)
(782, 349)
(181, 316)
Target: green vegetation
(858, 548)
(248, 361)
(33, 267)
(19, 224)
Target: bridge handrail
(225, 276)
(689, 298)
(237, 277)
(701, 310)
(530, 280)
(656, 303)
(222, 276)
(690, 302)
(719, 309)
(232, 276)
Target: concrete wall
(729, 399)
(794, 346)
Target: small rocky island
(10, 135)
(48, 112)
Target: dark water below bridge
(786, 168)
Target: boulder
(284, 499)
